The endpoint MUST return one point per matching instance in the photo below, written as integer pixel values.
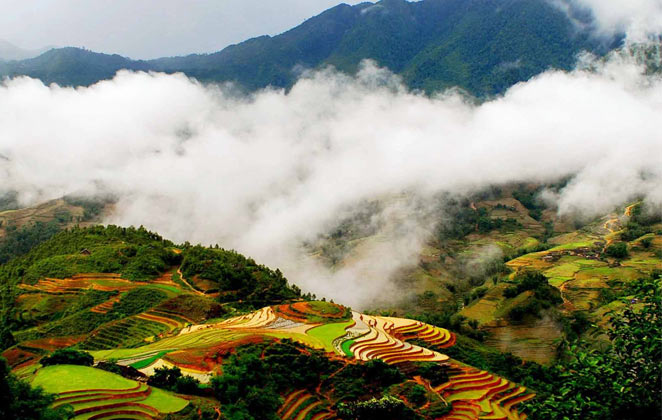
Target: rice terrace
(325, 210)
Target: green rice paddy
(328, 332)
(63, 378)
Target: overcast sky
(150, 28)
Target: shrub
(618, 250)
(18, 400)
(68, 357)
(417, 395)
(385, 408)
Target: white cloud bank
(638, 19)
(263, 174)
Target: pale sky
(150, 28)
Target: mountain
(146, 311)
(120, 322)
(9, 52)
(71, 66)
(483, 46)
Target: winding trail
(612, 226)
(193, 289)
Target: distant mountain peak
(9, 51)
(432, 44)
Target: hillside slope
(145, 308)
(483, 46)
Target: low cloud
(639, 20)
(265, 174)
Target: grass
(325, 307)
(198, 339)
(62, 378)
(164, 401)
(466, 395)
(563, 270)
(299, 338)
(345, 346)
(146, 362)
(329, 332)
(572, 245)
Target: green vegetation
(19, 401)
(385, 408)
(92, 207)
(63, 378)
(544, 295)
(68, 357)
(621, 382)
(137, 254)
(173, 380)
(618, 250)
(238, 277)
(136, 301)
(466, 220)
(164, 402)
(433, 45)
(19, 242)
(528, 198)
(140, 324)
(328, 332)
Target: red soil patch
(204, 284)
(76, 391)
(100, 396)
(80, 282)
(54, 343)
(17, 358)
(132, 413)
(106, 306)
(116, 405)
(207, 359)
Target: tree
(618, 250)
(68, 357)
(385, 408)
(19, 401)
(621, 383)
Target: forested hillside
(483, 46)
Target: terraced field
(128, 332)
(97, 394)
(475, 394)
(300, 405)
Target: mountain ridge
(482, 46)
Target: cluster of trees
(19, 401)
(256, 375)
(19, 241)
(529, 199)
(172, 379)
(434, 45)
(622, 382)
(386, 408)
(68, 357)
(641, 221)
(618, 250)
(92, 207)
(544, 295)
(239, 278)
(136, 253)
(466, 220)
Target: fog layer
(267, 173)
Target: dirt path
(613, 225)
(193, 289)
(566, 303)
